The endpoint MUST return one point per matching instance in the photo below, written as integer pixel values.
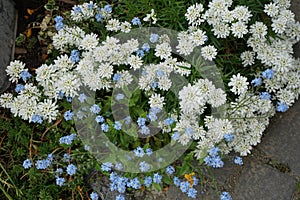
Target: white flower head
(239, 84)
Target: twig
(50, 127)
(69, 2)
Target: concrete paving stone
(7, 32)
(261, 182)
(282, 138)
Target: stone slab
(7, 35)
(260, 181)
(282, 138)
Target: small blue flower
(152, 116)
(71, 169)
(225, 196)
(154, 84)
(106, 166)
(69, 99)
(145, 130)
(214, 151)
(25, 75)
(58, 26)
(99, 119)
(107, 8)
(119, 166)
(127, 120)
(157, 178)
(87, 147)
(149, 151)
(136, 21)
(139, 152)
(74, 57)
(154, 37)
(98, 17)
(60, 94)
(95, 109)
(19, 88)
(184, 186)
(82, 97)
(67, 139)
(176, 181)
(66, 157)
(159, 73)
(144, 166)
(175, 136)
(68, 115)
(141, 121)
(189, 131)
(41, 164)
(196, 181)
(118, 125)
(94, 196)
(117, 77)
(146, 47)
(59, 171)
(170, 170)
(229, 137)
(120, 197)
(268, 74)
(192, 192)
(238, 160)
(265, 96)
(105, 127)
(135, 183)
(60, 181)
(169, 121)
(37, 119)
(282, 107)
(148, 181)
(120, 96)
(77, 9)
(256, 82)
(216, 162)
(140, 53)
(58, 19)
(27, 164)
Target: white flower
(241, 13)
(135, 62)
(14, 70)
(125, 27)
(193, 14)
(68, 83)
(247, 58)
(113, 25)
(126, 79)
(198, 37)
(221, 30)
(239, 29)
(89, 42)
(258, 29)
(47, 110)
(156, 101)
(164, 83)
(163, 50)
(278, 25)
(150, 16)
(217, 97)
(239, 84)
(209, 52)
(271, 9)
(6, 99)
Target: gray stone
(260, 181)
(281, 141)
(7, 35)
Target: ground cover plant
(146, 93)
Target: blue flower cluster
(213, 159)
(59, 22)
(67, 139)
(186, 186)
(45, 163)
(225, 196)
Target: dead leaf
(30, 11)
(28, 32)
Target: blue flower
(42, 164)
(184, 186)
(69, 99)
(99, 119)
(59, 171)
(60, 181)
(106, 166)
(192, 192)
(120, 96)
(25, 75)
(170, 170)
(149, 151)
(256, 82)
(120, 197)
(37, 119)
(175, 136)
(66, 157)
(146, 47)
(19, 88)
(159, 73)
(282, 107)
(154, 84)
(118, 125)
(82, 97)
(225, 196)
(148, 181)
(265, 96)
(94, 196)
(196, 181)
(176, 181)
(77, 9)
(27, 164)
(140, 53)
(67, 139)
(189, 131)
(216, 162)
(141, 121)
(136, 21)
(117, 77)
(95, 109)
(238, 160)
(229, 137)
(127, 120)
(145, 130)
(60, 94)
(157, 178)
(87, 147)
(119, 166)
(135, 183)
(152, 116)
(74, 57)
(105, 127)
(68, 115)
(71, 169)
(214, 151)
(144, 166)
(98, 17)
(169, 121)
(107, 8)
(268, 74)
(58, 19)
(58, 26)
(154, 37)
(139, 152)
